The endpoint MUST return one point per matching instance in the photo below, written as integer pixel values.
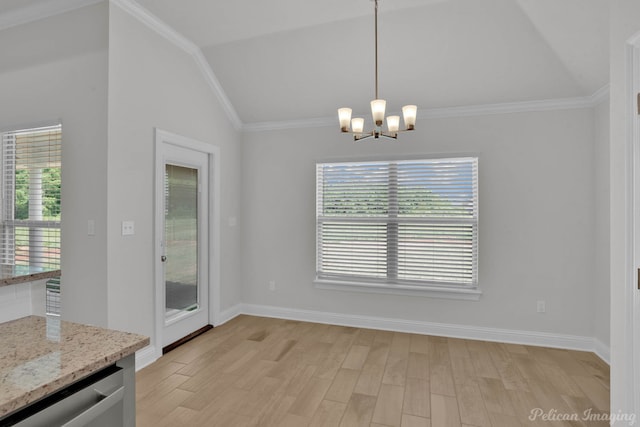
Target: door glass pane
(181, 239)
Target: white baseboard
(150, 353)
(229, 314)
(544, 339)
(145, 357)
(602, 350)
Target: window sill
(13, 280)
(431, 292)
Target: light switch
(128, 228)
(91, 227)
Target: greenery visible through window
(410, 223)
(31, 163)
(51, 194)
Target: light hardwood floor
(256, 371)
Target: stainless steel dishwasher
(96, 401)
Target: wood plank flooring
(256, 371)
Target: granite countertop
(39, 356)
(12, 275)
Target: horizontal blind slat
(430, 205)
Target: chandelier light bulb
(393, 123)
(344, 116)
(377, 111)
(357, 125)
(409, 113)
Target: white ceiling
(280, 60)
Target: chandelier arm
(389, 135)
(363, 135)
(403, 130)
(359, 137)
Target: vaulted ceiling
(280, 60)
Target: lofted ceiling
(282, 60)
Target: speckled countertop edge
(14, 280)
(106, 348)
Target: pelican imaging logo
(587, 415)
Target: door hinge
(638, 103)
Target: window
(30, 240)
(407, 225)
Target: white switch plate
(91, 227)
(128, 228)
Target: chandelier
(378, 107)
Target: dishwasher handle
(105, 403)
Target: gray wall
(54, 69)
(537, 219)
(544, 186)
(111, 81)
(152, 83)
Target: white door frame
(213, 152)
(631, 311)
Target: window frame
(389, 286)
(10, 272)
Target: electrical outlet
(272, 285)
(541, 307)
(128, 228)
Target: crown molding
(289, 124)
(511, 107)
(41, 10)
(216, 87)
(601, 95)
(590, 101)
(153, 22)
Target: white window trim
(449, 291)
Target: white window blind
(31, 161)
(412, 222)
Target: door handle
(163, 258)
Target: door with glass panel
(184, 243)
